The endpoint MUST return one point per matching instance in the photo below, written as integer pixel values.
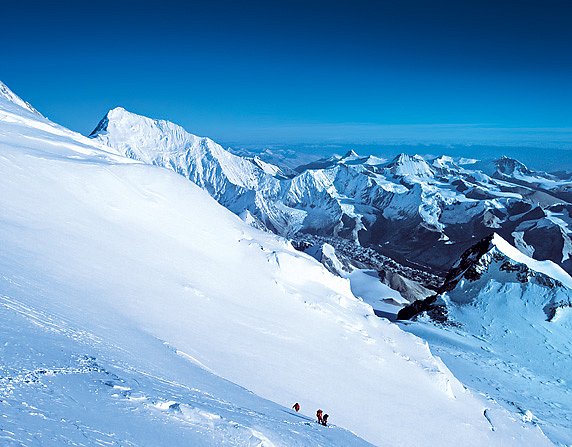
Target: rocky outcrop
(493, 260)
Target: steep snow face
(163, 143)
(413, 210)
(240, 184)
(269, 168)
(547, 268)
(510, 331)
(30, 130)
(141, 269)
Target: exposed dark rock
(508, 166)
(472, 265)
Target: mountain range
(421, 213)
(139, 311)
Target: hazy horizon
(410, 72)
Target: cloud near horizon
(408, 134)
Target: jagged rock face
(472, 264)
(510, 166)
(488, 269)
(422, 213)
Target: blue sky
(297, 71)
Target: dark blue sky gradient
(293, 70)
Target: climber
(325, 419)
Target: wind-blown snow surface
(127, 292)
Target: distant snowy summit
(423, 213)
(509, 166)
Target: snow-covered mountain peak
(150, 140)
(372, 160)
(509, 166)
(8, 94)
(141, 137)
(350, 154)
(352, 158)
(410, 165)
(445, 163)
(230, 179)
(494, 249)
(116, 112)
(121, 114)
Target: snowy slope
(128, 292)
(510, 329)
(11, 97)
(61, 385)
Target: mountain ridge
(502, 321)
(9, 95)
(412, 210)
(474, 265)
